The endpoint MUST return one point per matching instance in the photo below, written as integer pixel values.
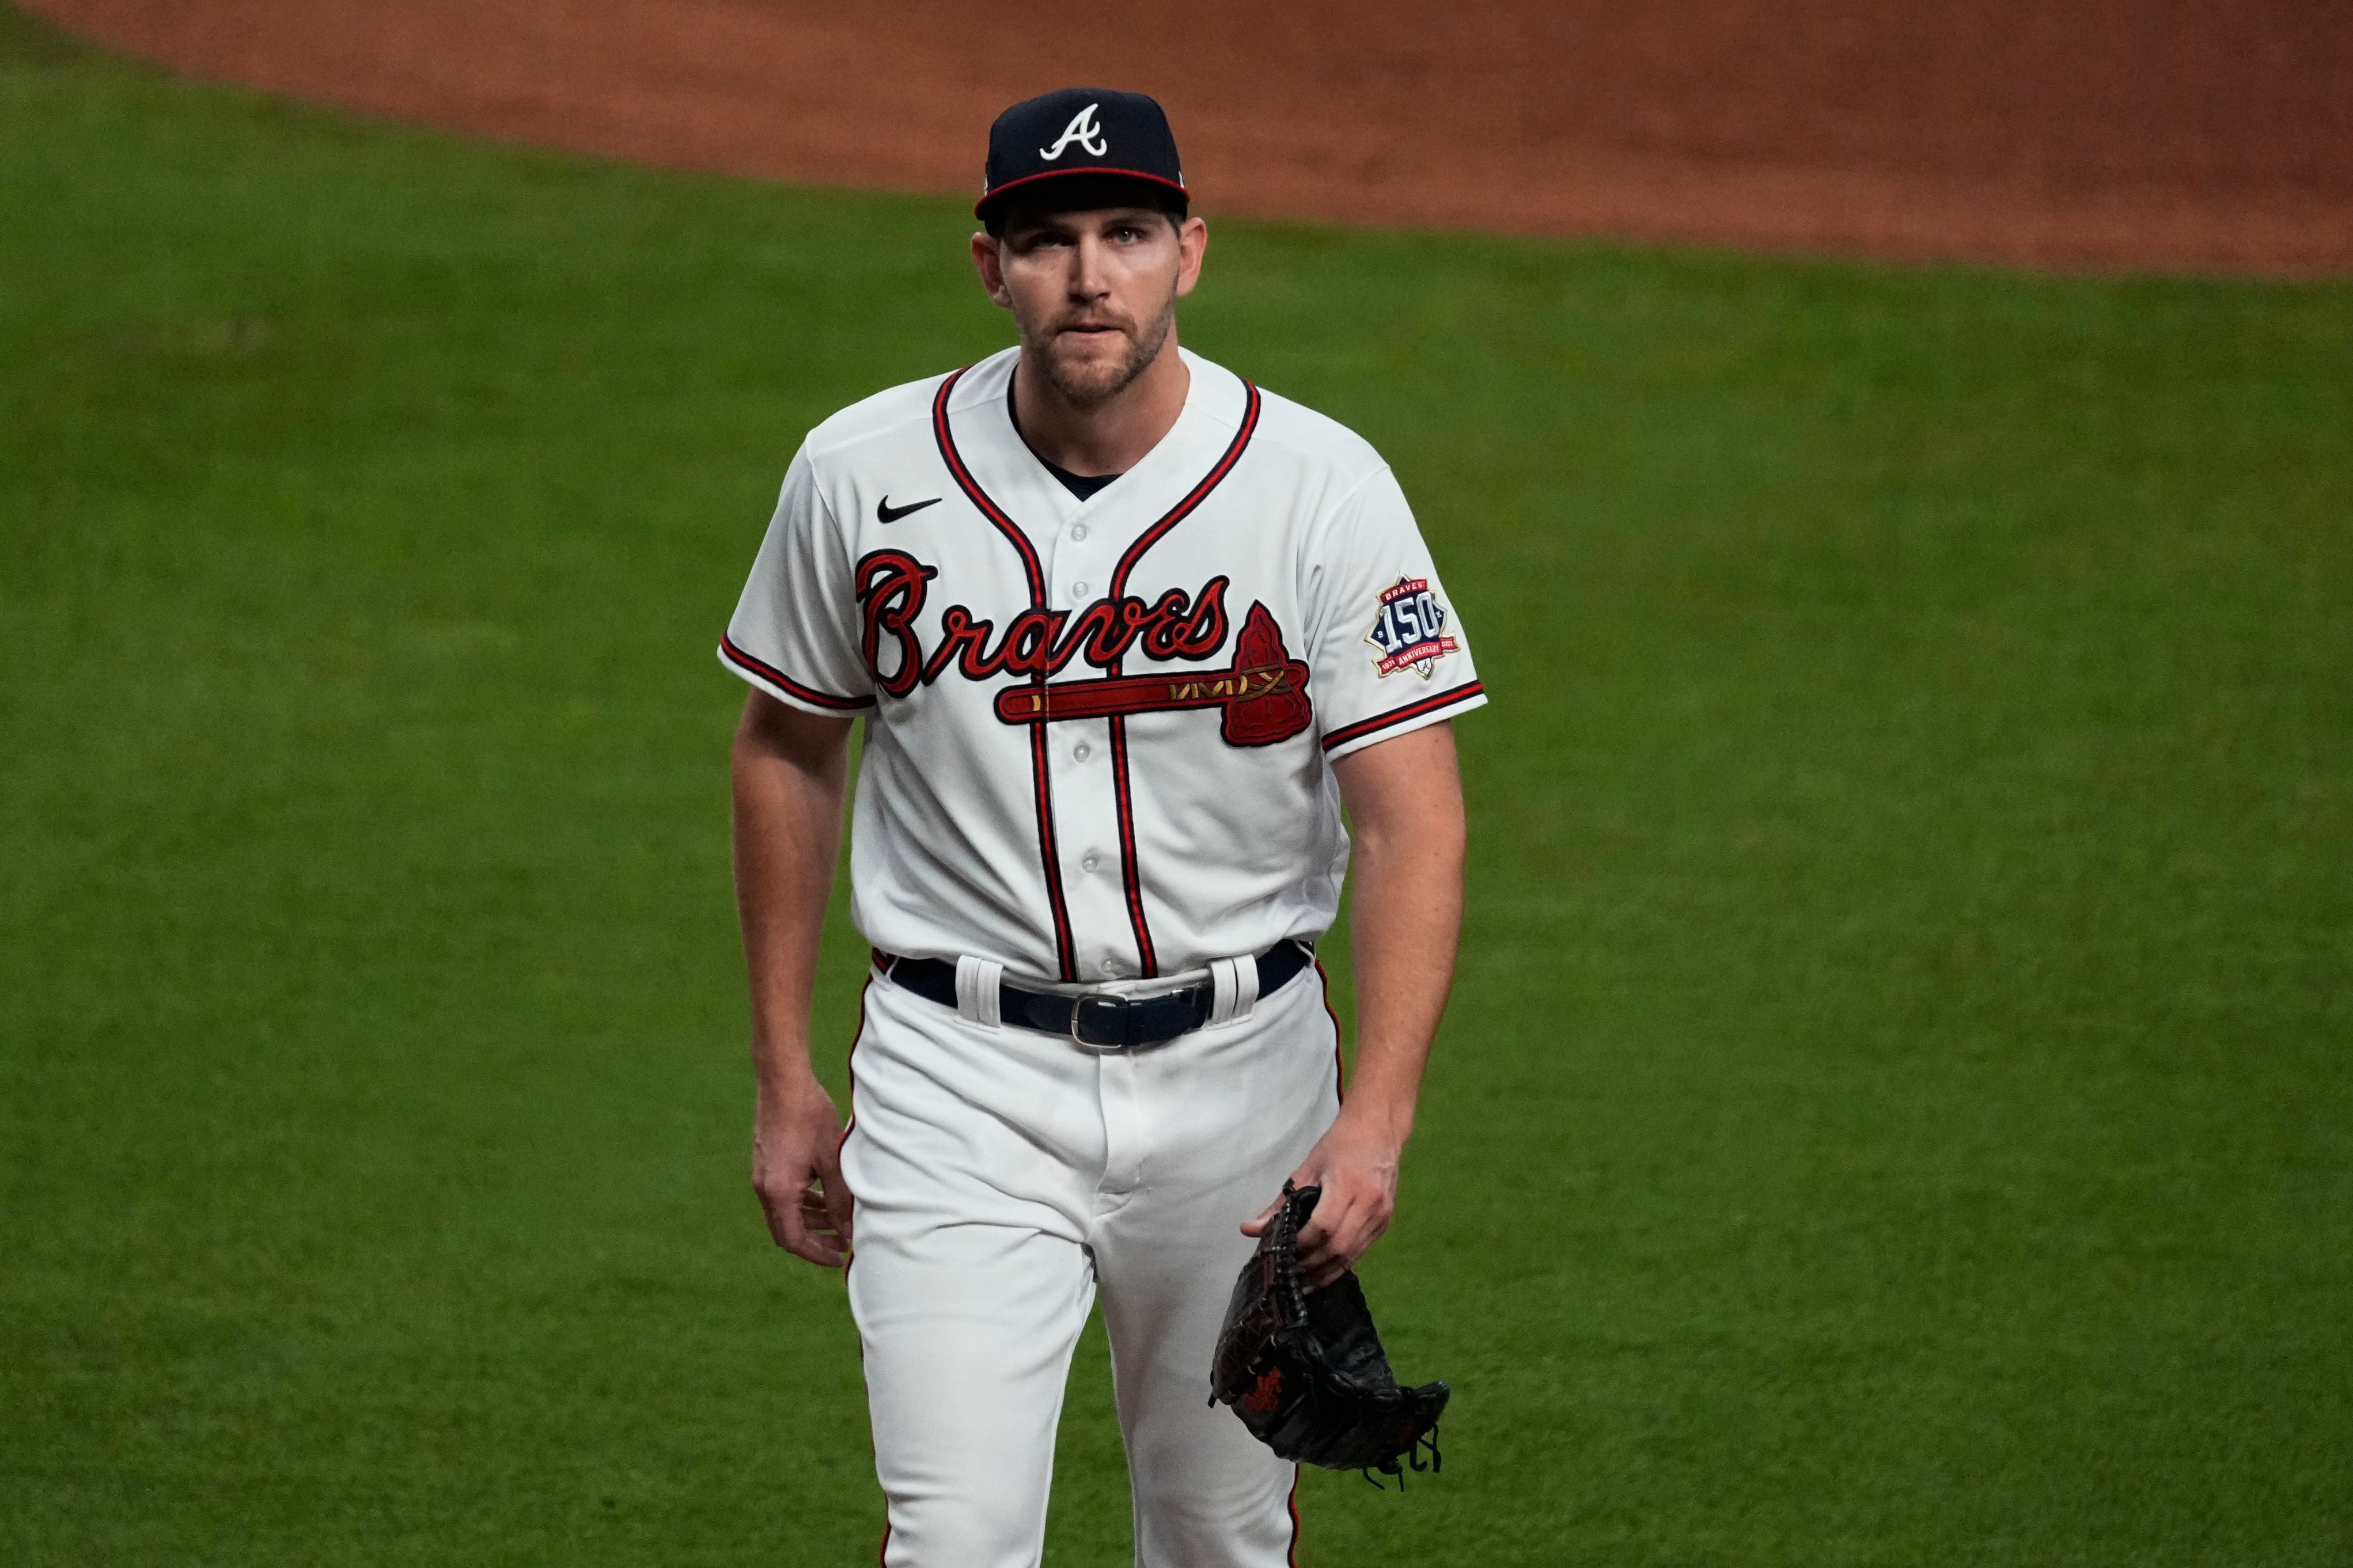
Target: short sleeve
(1388, 654)
(795, 632)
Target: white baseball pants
(1001, 1178)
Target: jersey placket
(1124, 781)
(1079, 562)
(1087, 832)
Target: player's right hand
(796, 1173)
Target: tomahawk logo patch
(1410, 629)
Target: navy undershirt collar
(1082, 486)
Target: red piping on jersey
(1131, 876)
(1131, 881)
(775, 677)
(1291, 1502)
(1430, 704)
(1065, 951)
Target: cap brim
(980, 209)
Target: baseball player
(1128, 633)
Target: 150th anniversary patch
(1410, 629)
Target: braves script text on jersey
(1098, 756)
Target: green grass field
(1897, 1108)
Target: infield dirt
(2108, 133)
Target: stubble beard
(1089, 385)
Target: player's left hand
(1356, 1163)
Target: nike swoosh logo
(885, 512)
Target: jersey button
(1078, 590)
(1083, 751)
(1078, 531)
(1089, 862)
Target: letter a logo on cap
(1081, 130)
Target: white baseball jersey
(1099, 730)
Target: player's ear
(988, 261)
(1192, 245)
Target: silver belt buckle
(1104, 1003)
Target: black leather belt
(1100, 1022)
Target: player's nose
(1088, 278)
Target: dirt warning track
(2101, 134)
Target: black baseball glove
(1304, 1371)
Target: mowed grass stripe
(1893, 1108)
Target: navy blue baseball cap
(1080, 131)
